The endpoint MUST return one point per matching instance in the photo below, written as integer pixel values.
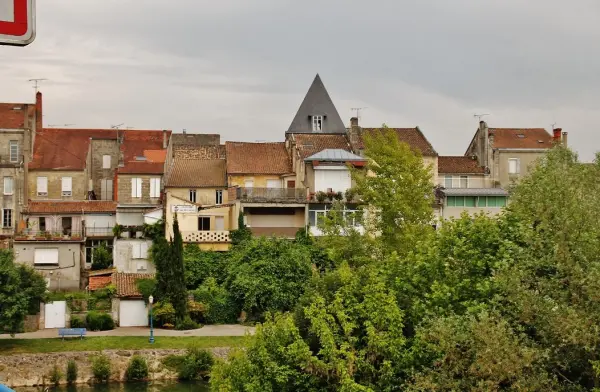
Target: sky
(241, 68)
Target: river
(129, 387)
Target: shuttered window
(155, 187)
(106, 189)
(67, 186)
(136, 187)
(9, 185)
(45, 256)
(42, 186)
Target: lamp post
(151, 300)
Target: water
(129, 387)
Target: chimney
(556, 135)
(564, 139)
(164, 138)
(354, 122)
(354, 134)
(38, 111)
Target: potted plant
(330, 195)
(338, 196)
(76, 237)
(20, 236)
(42, 235)
(350, 193)
(47, 235)
(117, 230)
(57, 236)
(321, 196)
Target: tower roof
(317, 102)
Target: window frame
(7, 212)
(219, 197)
(193, 193)
(201, 227)
(517, 166)
(104, 161)
(66, 191)
(8, 180)
(44, 180)
(446, 179)
(460, 182)
(14, 143)
(36, 262)
(155, 187)
(317, 120)
(136, 187)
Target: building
(507, 153)
(18, 124)
(196, 191)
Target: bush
(196, 311)
(137, 369)
(196, 364)
(77, 322)
(102, 257)
(97, 321)
(220, 308)
(71, 371)
(163, 313)
(101, 368)
(55, 375)
(200, 265)
(186, 324)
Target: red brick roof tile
(143, 144)
(311, 143)
(99, 282)
(126, 283)
(197, 173)
(257, 158)
(521, 138)
(76, 207)
(411, 136)
(459, 165)
(12, 115)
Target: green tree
(243, 233)
(102, 257)
(21, 291)
(201, 265)
(398, 188)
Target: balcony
(271, 195)
(41, 235)
(99, 231)
(206, 236)
(351, 218)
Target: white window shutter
(139, 187)
(152, 187)
(42, 184)
(144, 250)
(67, 184)
(133, 187)
(518, 166)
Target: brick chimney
(556, 136)
(354, 122)
(165, 139)
(564, 139)
(354, 134)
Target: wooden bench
(62, 332)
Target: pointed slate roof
(317, 102)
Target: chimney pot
(556, 135)
(354, 122)
(564, 139)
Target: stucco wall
(260, 181)
(297, 219)
(455, 212)
(62, 277)
(78, 183)
(123, 257)
(527, 160)
(124, 189)
(474, 181)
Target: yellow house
(196, 191)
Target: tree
(243, 233)
(397, 186)
(102, 258)
(21, 291)
(201, 265)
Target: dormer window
(317, 123)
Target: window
(481, 201)
(106, 189)
(155, 187)
(67, 186)
(273, 184)
(42, 186)
(219, 197)
(139, 250)
(249, 183)
(204, 223)
(136, 187)
(42, 223)
(448, 182)
(470, 201)
(7, 218)
(67, 224)
(513, 166)
(106, 161)
(8, 185)
(193, 195)
(14, 151)
(317, 123)
(464, 181)
(219, 223)
(45, 256)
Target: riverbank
(26, 370)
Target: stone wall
(124, 189)
(22, 370)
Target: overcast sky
(241, 67)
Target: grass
(18, 346)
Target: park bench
(62, 332)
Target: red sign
(17, 22)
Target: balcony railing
(99, 231)
(349, 217)
(271, 195)
(206, 236)
(41, 235)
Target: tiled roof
(12, 115)
(199, 152)
(142, 168)
(126, 283)
(459, 164)
(143, 144)
(521, 138)
(311, 143)
(65, 149)
(99, 282)
(257, 158)
(411, 136)
(63, 207)
(207, 173)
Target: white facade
(336, 178)
(131, 256)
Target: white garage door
(54, 314)
(133, 313)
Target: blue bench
(62, 332)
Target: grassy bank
(17, 346)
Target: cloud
(241, 68)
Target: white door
(54, 313)
(133, 313)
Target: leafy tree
(220, 306)
(242, 234)
(398, 188)
(268, 274)
(102, 257)
(21, 291)
(200, 265)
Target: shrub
(77, 322)
(101, 368)
(186, 324)
(102, 257)
(97, 321)
(200, 265)
(71, 371)
(163, 313)
(146, 287)
(220, 308)
(106, 292)
(196, 311)
(196, 364)
(55, 375)
(137, 369)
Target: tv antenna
(36, 83)
(358, 110)
(553, 125)
(480, 116)
(60, 125)
(117, 126)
